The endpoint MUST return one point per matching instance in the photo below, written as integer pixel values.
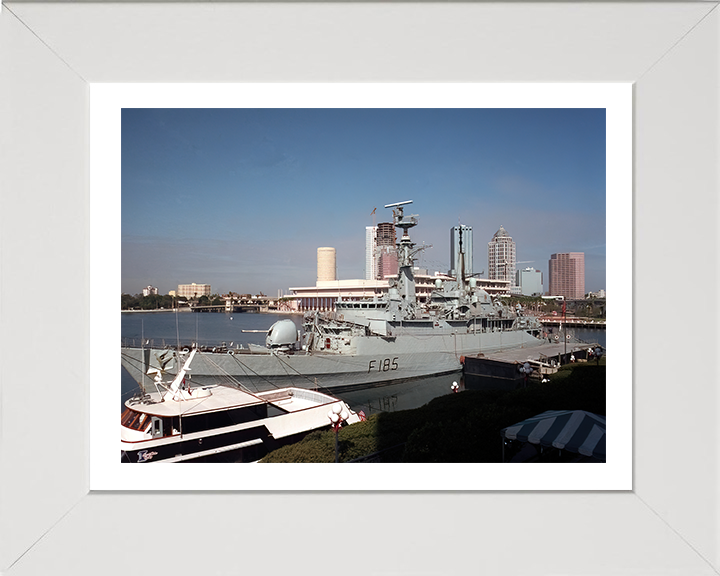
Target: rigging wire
(250, 372)
(225, 376)
(314, 382)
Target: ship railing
(183, 345)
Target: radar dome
(281, 334)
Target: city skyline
(241, 199)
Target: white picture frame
(51, 53)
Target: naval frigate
(366, 343)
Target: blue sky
(242, 198)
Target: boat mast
(142, 357)
(174, 389)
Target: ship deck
(224, 398)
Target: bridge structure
(235, 308)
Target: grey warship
(367, 343)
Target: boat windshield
(135, 420)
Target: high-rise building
(461, 234)
(566, 275)
(370, 247)
(380, 251)
(501, 257)
(387, 263)
(386, 260)
(386, 235)
(529, 282)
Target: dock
(573, 322)
(544, 359)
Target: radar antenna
(400, 220)
(398, 204)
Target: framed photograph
(599, 114)
(61, 237)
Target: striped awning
(574, 430)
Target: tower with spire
(502, 260)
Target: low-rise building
(193, 290)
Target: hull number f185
(384, 365)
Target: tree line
(584, 308)
(159, 302)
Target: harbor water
(218, 329)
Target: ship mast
(461, 275)
(406, 277)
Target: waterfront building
(566, 275)
(326, 264)
(150, 290)
(461, 234)
(502, 257)
(529, 282)
(193, 290)
(323, 295)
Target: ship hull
(372, 361)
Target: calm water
(216, 328)
(207, 329)
(589, 335)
